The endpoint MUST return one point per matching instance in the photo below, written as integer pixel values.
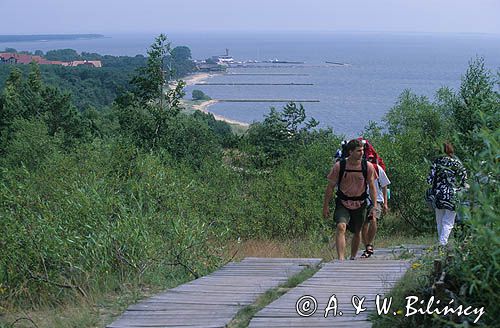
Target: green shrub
(475, 271)
(199, 95)
(279, 135)
(103, 210)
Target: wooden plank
(364, 278)
(212, 301)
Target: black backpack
(364, 170)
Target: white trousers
(445, 220)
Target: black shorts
(352, 218)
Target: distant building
(15, 58)
(91, 63)
(207, 67)
(223, 59)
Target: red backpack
(370, 152)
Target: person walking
(447, 175)
(351, 177)
(370, 225)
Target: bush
(472, 270)
(279, 135)
(221, 129)
(29, 145)
(415, 127)
(106, 209)
(199, 95)
(475, 271)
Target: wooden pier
(270, 100)
(266, 74)
(254, 84)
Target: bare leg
(370, 233)
(356, 239)
(340, 240)
(364, 232)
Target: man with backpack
(351, 175)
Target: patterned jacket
(447, 176)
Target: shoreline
(203, 106)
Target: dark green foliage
(60, 115)
(150, 79)
(415, 113)
(415, 127)
(89, 87)
(62, 55)
(221, 129)
(179, 62)
(471, 119)
(123, 214)
(189, 140)
(99, 87)
(475, 269)
(199, 95)
(477, 96)
(29, 145)
(31, 99)
(147, 123)
(279, 135)
(184, 137)
(210, 61)
(11, 101)
(150, 116)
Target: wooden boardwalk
(213, 300)
(344, 279)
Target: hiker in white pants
(445, 221)
(447, 176)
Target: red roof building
(15, 58)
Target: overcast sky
(111, 16)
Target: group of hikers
(361, 184)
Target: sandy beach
(203, 106)
(196, 78)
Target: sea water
(376, 68)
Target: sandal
(368, 251)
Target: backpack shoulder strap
(364, 169)
(341, 171)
